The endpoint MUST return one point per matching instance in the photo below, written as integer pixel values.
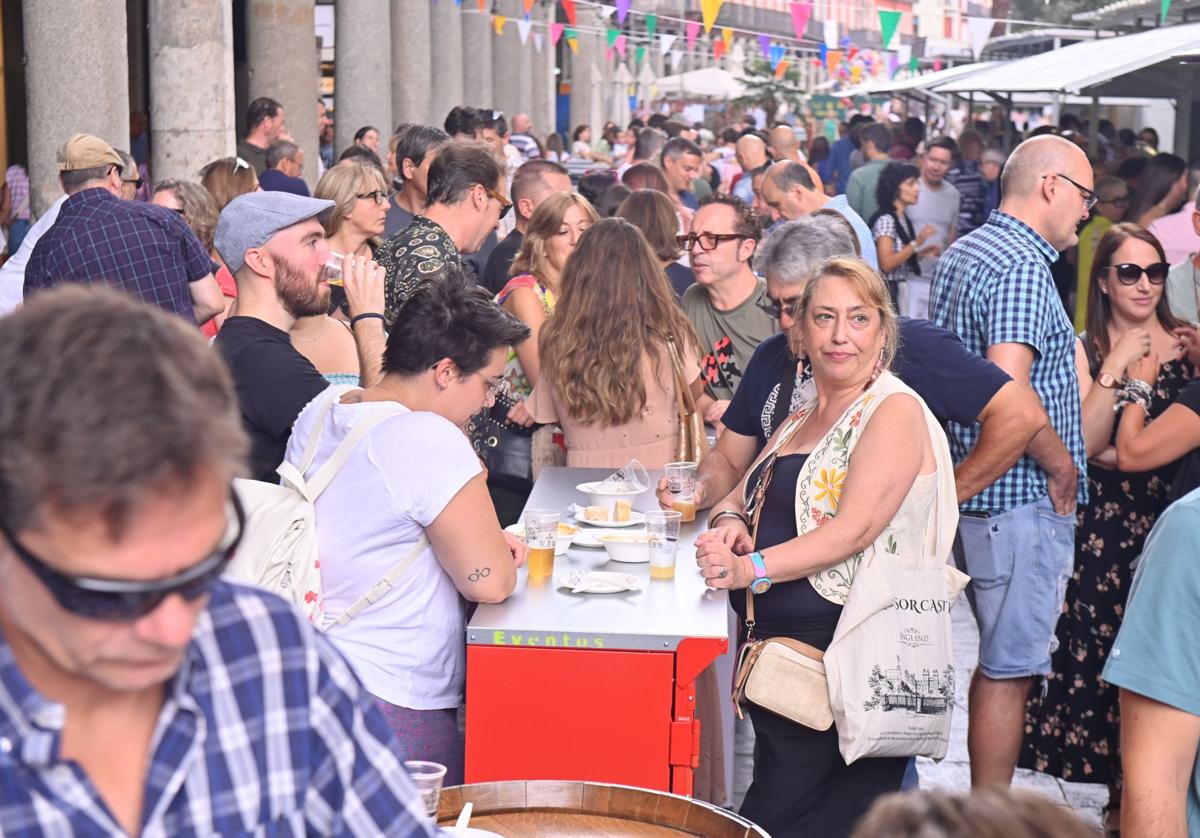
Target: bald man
(1017, 536)
(751, 153)
(785, 146)
(790, 192)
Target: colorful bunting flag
(608, 54)
(764, 43)
(718, 48)
(912, 64)
(651, 27)
(823, 56)
(639, 54)
(498, 23)
(727, 37)
(611, 35)
(856, 72)
(777, 53)
(781, 69)
(622, 9)
(665, 42)
(676, 57)
(568, 10)
(893, 65)
(523, 27)
(980, 29)
(620, 45)
(888, 22)
(831, 39)
(800, 15)
(573, 43)
(693, 32)
(1164, 8)
(482, 5)
(937, 64)
(709, 9)
(606, 11)
(528, 6)
(833, 59)
(852, 53)
(556, 31)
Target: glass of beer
(332, 272)
(541, 529)
(662, 527)
(681, 483)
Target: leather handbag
(784, 676)
(506, 449)
(692, 444)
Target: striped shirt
(18, 192)
(994, 286)
(264, 730)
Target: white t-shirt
(408, 648)
(939, 208)
(12, 274)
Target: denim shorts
(1019, 562)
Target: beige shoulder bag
(779, 674)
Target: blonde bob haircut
(342, 184)
(869, 286)
(545, 223)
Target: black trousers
(801, 785)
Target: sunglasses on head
(120, 600)
(1129, 273)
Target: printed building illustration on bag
(930, 694)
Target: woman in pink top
(605, 371)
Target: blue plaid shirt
(994, 286)
(145, 250)
(264, 730)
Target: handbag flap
(790, 684)
(796, 648)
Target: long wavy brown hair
(545, 222)
(615, 308)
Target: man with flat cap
(145, 250)
(274, 245)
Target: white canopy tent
(708, 83)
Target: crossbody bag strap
(385, 584)
(683, 392)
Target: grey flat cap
(249, 220)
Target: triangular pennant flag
(537, 41)
(676, 57)
(834, 58)
(727, 37)
(893, 65)
(912, 64)
(606, 11)
(573, 43)
(709, 9)
(620, 45)
(856, 73)
(852, 53)
(639, 54)
(718, 48)
(937, 64)
(764, 43)
(800, 15)
(556, 31)
(608, 54)
(781, 69)
(665, 42)
(980, 29)
(831, 39)
(777, 53)
(498, 23)
(528, 6)
(523, 27)
(457, 2)
(1164, 8)
(888, 21)
(824, 55)
(622, 9)
(482, 6)
(651, 27)
(903, 54)
(693, 32)
(569, 11)
(611, 35)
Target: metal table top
(657, 617)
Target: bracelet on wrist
(365, 315)
(728, 513)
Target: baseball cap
(84, 151)
(250, 220)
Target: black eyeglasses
(1130, 274)
(1089, 197)
(505, 204)
(777, 308)
(120, 600)
(137, 183)
(707, 241)
(378, 196)
(1119, 201)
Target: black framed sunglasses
(505, 204)
(707, 241)
(1130, 274)
(378, 196)
(776, 308)
(120, 600)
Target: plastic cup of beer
(332, 272)
(541, 530)
(427, 777)
(681, 483)
(662, 528)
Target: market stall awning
(1101, 66)
(709, 83)
(929, 81)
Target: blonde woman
(199, 209)
(605, 372)
(359, 194)
(228, 177)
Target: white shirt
(408, 647)
(937, 208)
(12, 273)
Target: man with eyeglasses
(145, 250)
(140, 693)
(726, 302)
(285, 163)
(1112, 200)
(466, 201)
(1017, 537)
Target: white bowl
(566, 533)
(605, 499)
(632, 548)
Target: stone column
(524, 68)
(192, 119)
(477, 58)
(76, 79)
(585, 69)
(282, 63)
(545, 82)
(506, 60)
(362, 69)
(412, 80)
(447, 59)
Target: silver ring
(724, 572)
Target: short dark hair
(613, 198)
(97, 419)
(648, 143)
(74, 180)
(943, 142)
(463, 121)
(494, 120)
(361, 154)
(657, 120)
(449, 319)
(879, 135)
(677, 147)
(746, 222)
(531, 173)
(459, 165)
(362, 132)
(279, 151)
(261, 108)
(413, 142)
(593, 184)
(791, 174)
(674, 128)
(888, 185)
(578, 132)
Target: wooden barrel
(562, 809)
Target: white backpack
(278, 551)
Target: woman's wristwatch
(762, 582)
(728, 513)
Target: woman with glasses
(606, 372)
(896, 242)
(1112, 195)
(413, 483)
(1134, 359)
(359, 194)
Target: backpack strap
(290, 473)
(382, 586)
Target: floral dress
(1072, 730)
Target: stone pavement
(952, 773)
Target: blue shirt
(1157, 650)
(954, 383)
(866, 241)
(839, 166)
(994, 286)
(273, 180)
(264, 730)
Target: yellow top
(1089, 237)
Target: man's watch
(1107, 380)
(762, 582)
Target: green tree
(764, 91)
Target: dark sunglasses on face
(120, 600)
(707, 241)
(776, 308)
(505, 204)
(1129, 273)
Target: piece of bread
(595, 513)
(621, 510)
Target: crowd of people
(897, 341)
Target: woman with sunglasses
(415, 476)
(359, 194)
(1073, 725)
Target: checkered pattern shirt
(145, 250)
(264, 730)
(994, 286)
(18, 192)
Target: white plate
(590, 536)
(635, 518)
(561, 542)
(598, 581)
